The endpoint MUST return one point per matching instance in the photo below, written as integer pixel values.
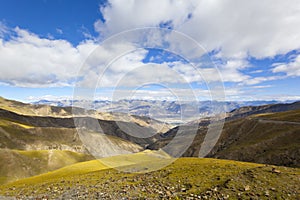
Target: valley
(116, 155)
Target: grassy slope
(122, 161)
(184, 177)
(15, 106)
(290, 116)
(263, 138)
(15, 135)
(21, 164)
(271, 138)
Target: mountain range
(37, 139)
(163, 110)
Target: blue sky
(60, 19)
(251, 49)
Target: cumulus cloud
(258, 28)
(290, 69)
(28, 60)
(124, 15)
(235, 29)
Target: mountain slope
(39, 110)
(271, 138)
(269, 108)
(185, 178)
(21, 164)
(125, 130)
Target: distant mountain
(168, 111)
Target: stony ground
(184, 179)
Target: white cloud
(31, 61)
(290, 69)
(48, 98)
(59, 31)
(257, 80)
(240, 28)
(3, 29)
(130, 71)
(236, 29)
(122, 15)
(260, 28)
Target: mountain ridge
(246, 135)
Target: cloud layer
(231, 31)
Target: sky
(152, 49)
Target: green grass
(197, 176)
(7, 122)
(140, 159)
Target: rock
(267, 193)
(274, 170)
(247, 188)
(168, 193)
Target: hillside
(39, 110)
(35, 143)
(21, 164)
(271, 138)
(186, 178)
(248, 138)
(268, 108)
(125, 130)
(27, 141)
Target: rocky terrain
(186, 178)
